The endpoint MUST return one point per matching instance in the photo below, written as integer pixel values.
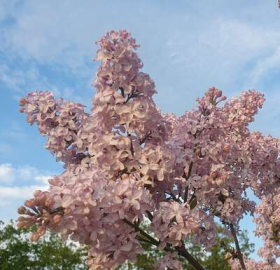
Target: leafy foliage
(17, 252)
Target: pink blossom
(126, 162)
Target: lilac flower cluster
(126, 162)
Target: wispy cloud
(9, 194)
(17, 184)
(11, 198)
(6, 173)
(187, 48)
(22, 174)
(265, 66)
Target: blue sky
(186, 46)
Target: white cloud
(265, 65)
(186, 47)
(22, 174)
(17, 184)
(8, 194)
(11, 198)
(6, 173)
(19, 79)
(43, 178)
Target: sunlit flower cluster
(125, 163)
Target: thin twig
(122, 91)
(238, 250)
(173, 197)
(138, 237)
(192, 198)
(138, 229)
(131, 145)
(150, 215)
(187, 178)
(146, 136)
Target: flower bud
(56, 219)
(41, 230)
(29, 203)
(124, 176)
(22, 101)
(34, 237)
(214, 175)
(21, 210)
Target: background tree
(50, 252)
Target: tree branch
(173, 197)
(184, 253)
(150, 215)
(130, 96)
(138, 237)
(187, 177)
(146, 136)
(122, 91)
(142, 232)
(180, 250)
(238, 250)
(131, 145)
